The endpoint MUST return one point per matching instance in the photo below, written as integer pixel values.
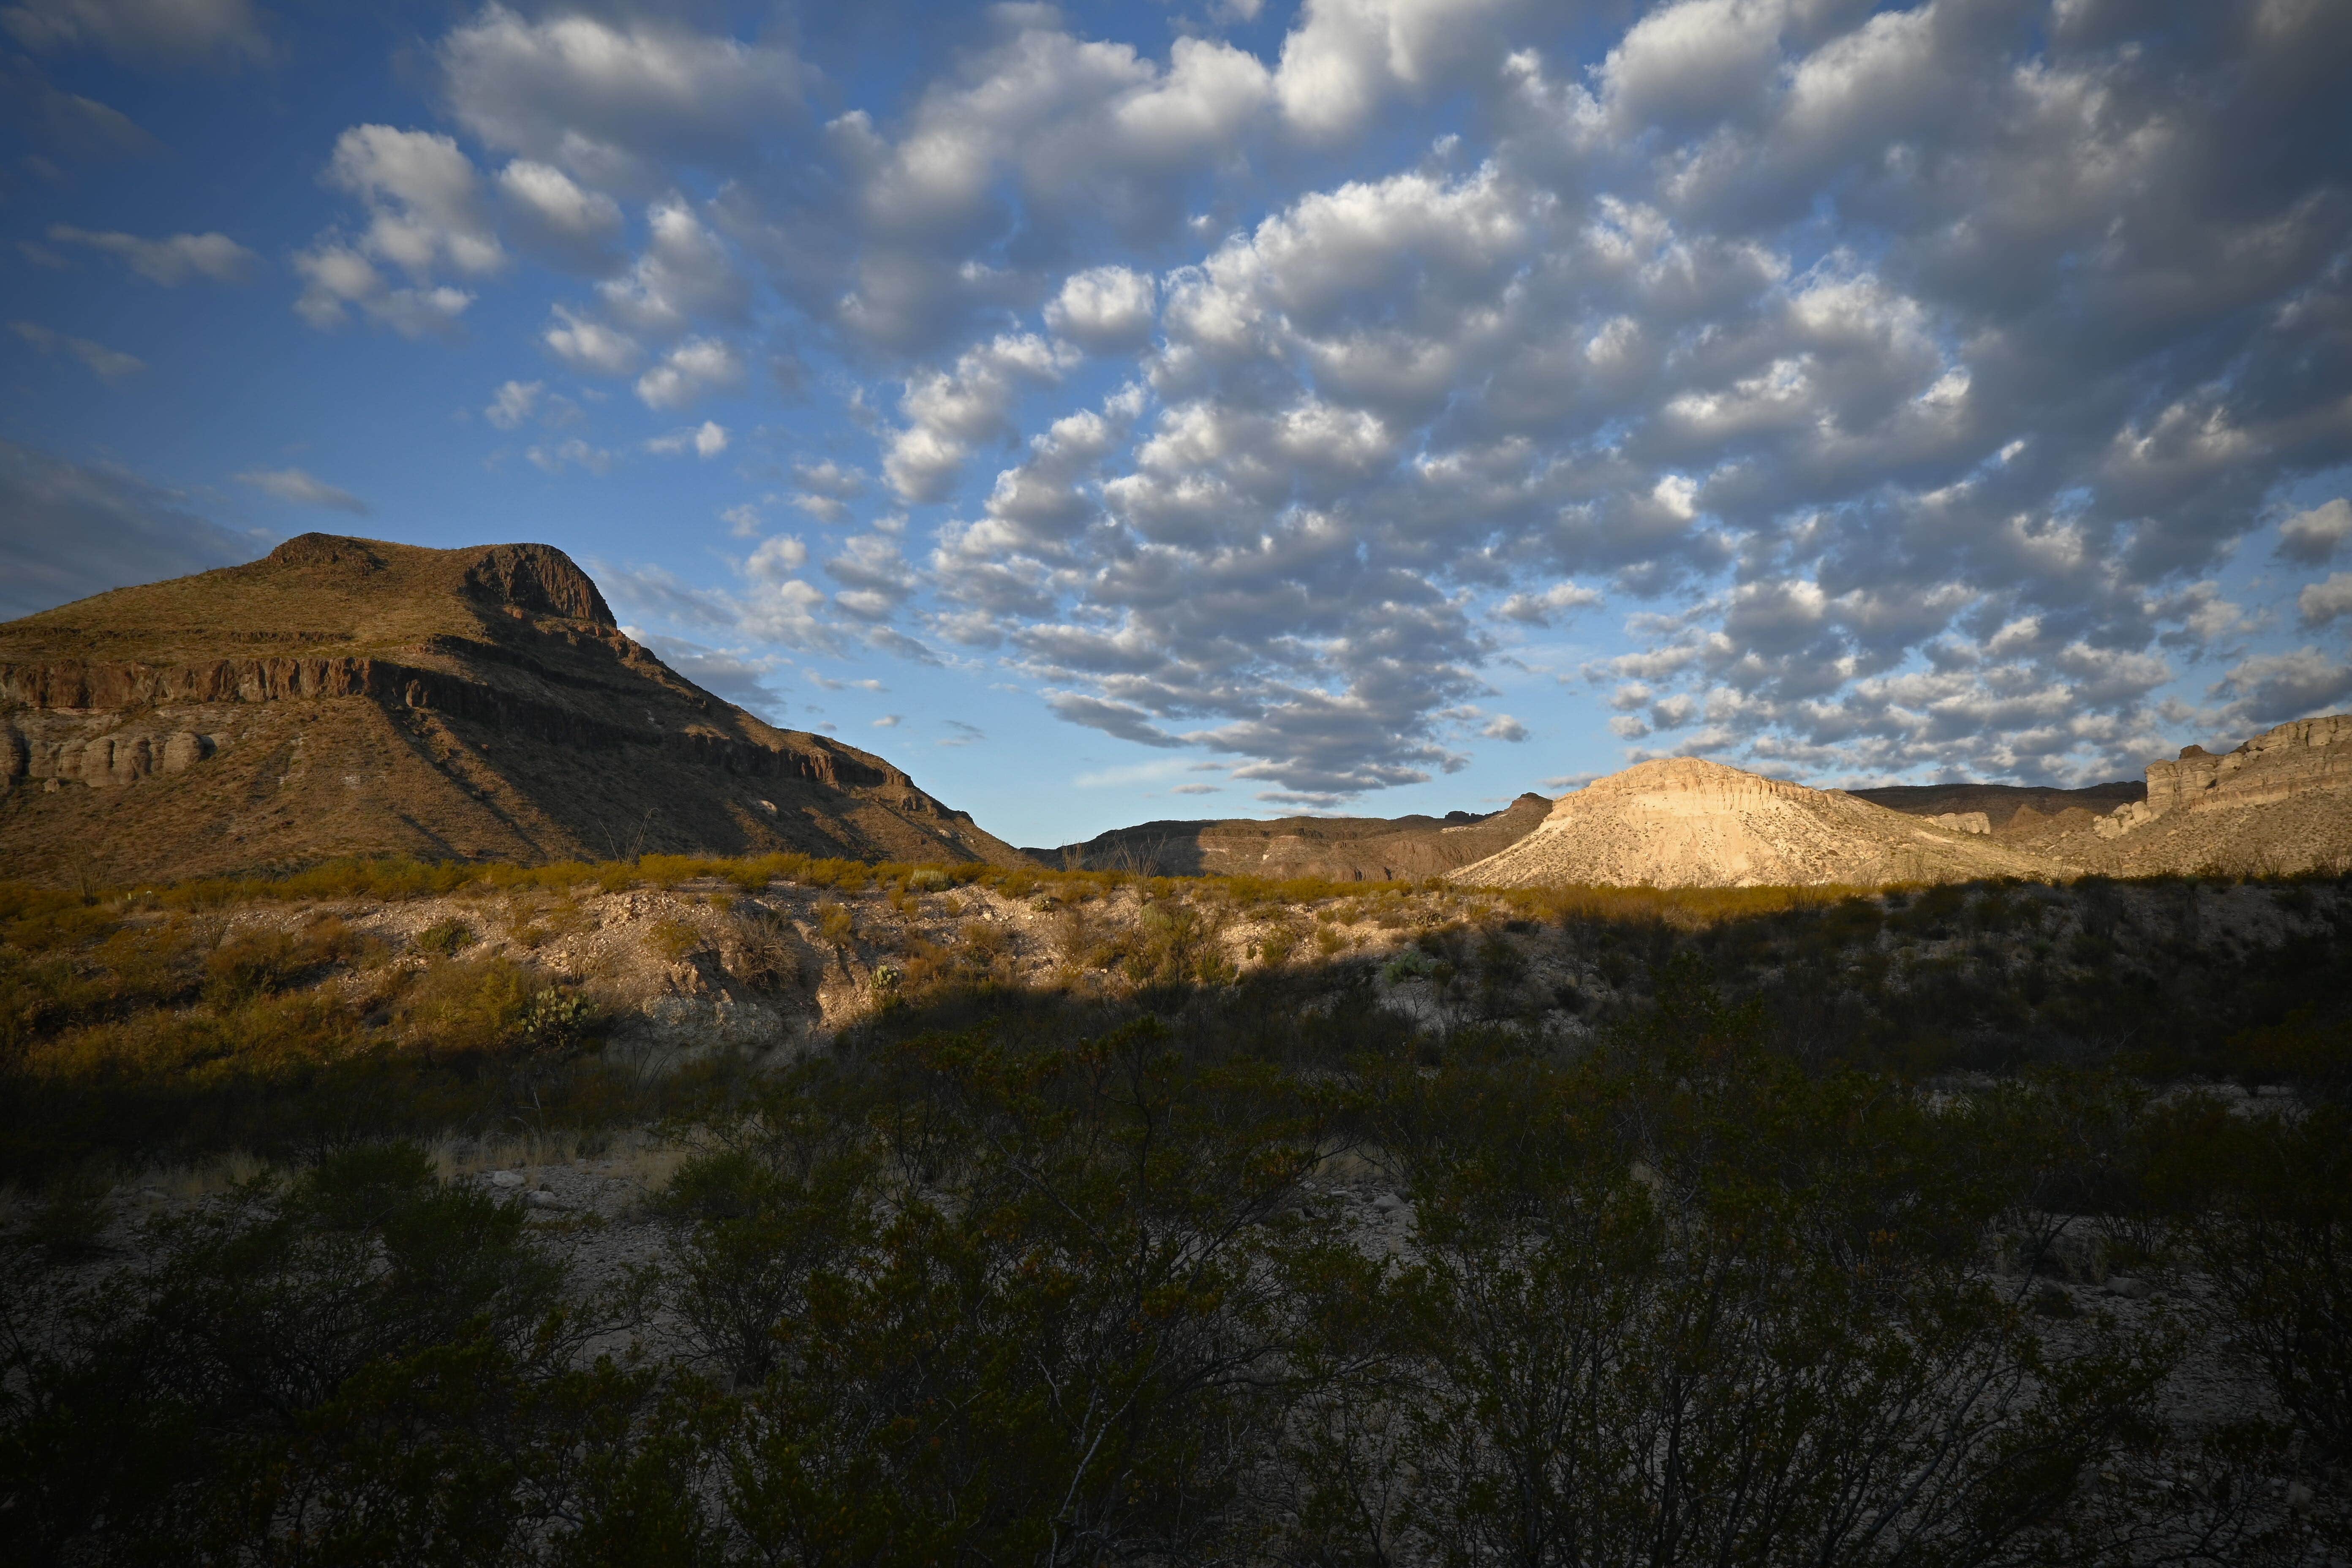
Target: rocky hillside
(1335, 848)
(1687, 823)
(2280, 803)
(352, 697)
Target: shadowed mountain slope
(1339, 848)
(354, 697)
(2005, 807)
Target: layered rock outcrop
(100, 761)
(2306, 757)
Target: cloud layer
(1841, 389)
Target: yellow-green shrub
(465, 1006)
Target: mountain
(1689, 823)
(1337, 849)
(354, 697)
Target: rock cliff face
(352, 697)
(1690, 822)
(2281, 803)
(2307, 757)
(1338, 849)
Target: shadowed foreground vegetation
(136, 1026)
(968, 1300)
(1849, 1231)
(150, 1026)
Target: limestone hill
(354, 697)
(1335, 848)
(1689, 823)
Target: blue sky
(1125, 411)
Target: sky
(1237, 408)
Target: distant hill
(2278, 804)
(1688, 822)
(2001, 804)
(354, 697)
(1338, 849)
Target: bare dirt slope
(1690, 822)
(354, 697)
(1335, 848)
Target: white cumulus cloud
(691, 371)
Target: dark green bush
(446, 937)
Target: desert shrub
(984, 944)
(792, 1195)
(1279, 942)
(2262, 1204)
(675, 939)
(1071, 1281)
(68, 1219)
(1074, 936)
(446, 938)
(258, 1036)
(2306, 1049)
(465, 1006)
(1064, 1345)
(261, 961)
(834, 924)
(48, 924)
(160, 963)
(1409, 964)
(39, 996)
(1685, 1303)
(762, 953)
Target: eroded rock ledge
(89, 688)
(2308, 757)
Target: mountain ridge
(1335, 848)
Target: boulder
(183, 749)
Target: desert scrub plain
(794, 1211)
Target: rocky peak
(538, 578)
